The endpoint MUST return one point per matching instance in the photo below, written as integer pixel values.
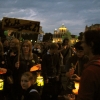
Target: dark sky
(74, 14)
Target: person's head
(65, 42)
(26, 47)
(79, 49)
(37, 46)
(53, 48)
(14, 43)
(91, 42)
(27, 80)
(5, 43)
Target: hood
(94, 61)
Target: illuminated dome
(63, 28)
(55, 29)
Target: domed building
(57, 36)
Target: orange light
(36, 67)
(1, 84)
(75, 91)
(40, 81)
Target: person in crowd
(38, 51)
(74, 68)
(90, 80)
(13, 52)
(66, 50)
(9, 58)
(51, 72)
(76, 63)
(29, 91)
(23, 63)
(45, 46)
(5, 46)
(60, 54)
(5, 73)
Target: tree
(48, 36)
(67, 35)
(80, 36)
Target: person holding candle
(23, 63)
(51, 71)
(74, 68)
(5, 73)
(90, 80)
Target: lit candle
(1, 84)
(75, 91)
(40, 81)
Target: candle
(75, 91)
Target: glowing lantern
(1, 84)
(36, 67)
(75, 91)
(40, 81)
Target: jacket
(50, 65)
(79, 67)
(90, 81)
(31, 94)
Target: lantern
(75, 91)
(1, 84)
(36, 67)
(40, 81)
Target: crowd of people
(60, 64)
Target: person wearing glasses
(90, 80)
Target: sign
(40, 37)
(20, 25)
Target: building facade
(58, 33)
(92, 27)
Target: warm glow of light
(77, 40)
(75, 91)
(36, 67)
(40, 81)
(1, 84)
(53, 41)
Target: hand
(70, 73)
(76, 77)
(17, 65)
(40, 59)
(39, 66)
(3, 62)
(57, 78)
(47, 80)
(12, 54)
(3, 70)
(69, 97)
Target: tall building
(93, 27)
(58, 33)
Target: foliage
(80, 36)
(67, 35)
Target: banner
(15, 24)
